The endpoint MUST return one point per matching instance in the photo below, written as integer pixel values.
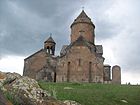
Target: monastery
(80, 61)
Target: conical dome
(50, 40)
(82, 18)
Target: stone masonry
(80, 61)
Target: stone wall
(40, 66)
(34, 63)
(88, 32)
(80, 65)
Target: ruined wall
(80, 65)
(107, 76)
(116, 74)
(107, 72)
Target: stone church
(80, 61)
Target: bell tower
(49, 45)
(83, 25)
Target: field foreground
(94, 94)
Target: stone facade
(80, 61)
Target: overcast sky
(26, 24)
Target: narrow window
(79, 62)
(54, 76)
(68, 72)
(90, 75)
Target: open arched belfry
(80, 61)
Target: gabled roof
(81, 41)
(50, 40)
(63, 50)
(34, 54)
(41, 50)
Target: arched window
(48, 49)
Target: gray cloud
(106, 29)
(26, 24)
(128, 37)
(129, 51)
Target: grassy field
(95, 94)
